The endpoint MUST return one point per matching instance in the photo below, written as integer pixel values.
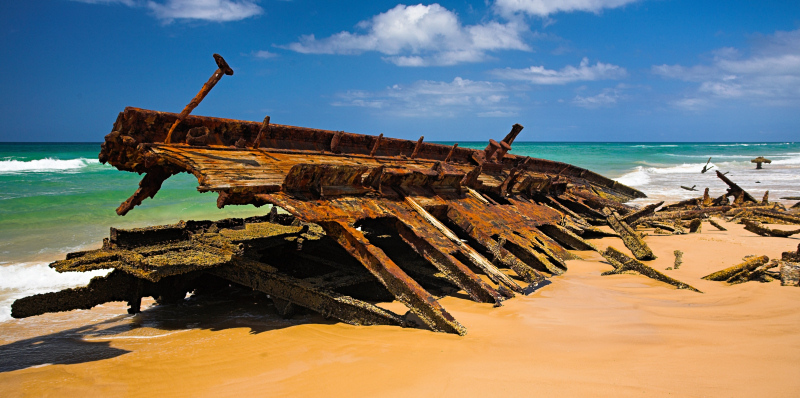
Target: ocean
(56, 197)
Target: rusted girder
(405, 289)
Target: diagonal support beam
(477, 259)
(522, 249)
(430, 249)
(500, 254)
(405, 289)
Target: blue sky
(568, 70)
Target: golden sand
(582, 335)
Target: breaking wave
(45, 165)
(24, 279)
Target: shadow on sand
(93, 342)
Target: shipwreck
(366, 219)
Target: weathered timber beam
(629, 237)
(405, 289)
(500, 254)
(622, 263)
(116, 286)
(430, 249)
(264, 278)
(476, 258)
(566, 237)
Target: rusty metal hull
(411, 216)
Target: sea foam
(25, 279)
(45, 165)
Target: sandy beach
(581, 335)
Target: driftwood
(622, 263)
(688, 188)
(629, 237)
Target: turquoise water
(56, 198)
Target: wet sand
(582, 335)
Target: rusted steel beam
(433, 251)
(735, 189)
(148, 188)
(500, 254)
(405, 289)
(223, 69)
(477, 259)
(264, 278)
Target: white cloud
(419, 35)
(769, 75)
(568, 74)
(543, 8)
(207, 10)
(606, 98)
(427, 98)
(263, 54)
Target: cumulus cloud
(769, 75)
(427, 98)
(419, 35)
(568, 74)
(206, 10)
(543, 8)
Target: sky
(568, 70)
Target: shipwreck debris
(756, 228)
(759, 160)
(622, 263)
(372, 219)
(706, 168)
(678, 258)
(750, 269)
(632, 240)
